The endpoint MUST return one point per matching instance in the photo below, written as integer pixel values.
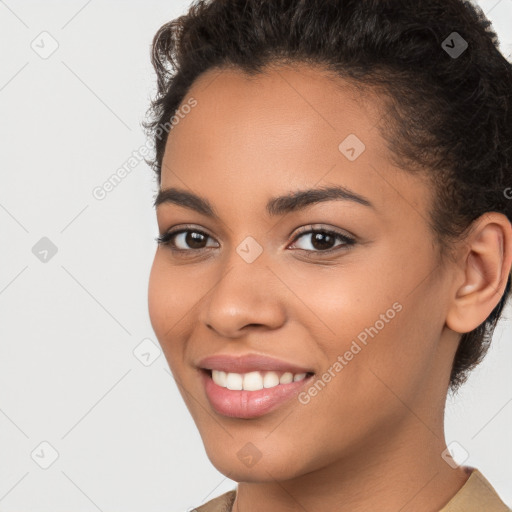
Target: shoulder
(222, 503)
(476, 494)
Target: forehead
(301, 98)
(285, 129)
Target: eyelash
(166, 239)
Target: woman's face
(367, 316)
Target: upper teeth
(253, 381)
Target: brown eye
(193, 239)
(322, 240)
(184, 240)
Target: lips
(249, 363)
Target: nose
(246, 295)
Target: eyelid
(321, 227)
(185, 227)
(300, 231)
(165, 237)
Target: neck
(400, 472)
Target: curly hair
(449, 115)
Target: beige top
(476, 495)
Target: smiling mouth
(254, 380)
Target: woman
(335, 242)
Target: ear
(485, 262)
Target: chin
(247, 464)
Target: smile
(254, 381)
(252, 394)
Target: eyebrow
(280, 205)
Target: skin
(372, 438)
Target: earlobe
(486, 262)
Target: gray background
(71, 371)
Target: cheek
(373, 321)
(157, 298)
(169, 300)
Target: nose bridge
(246, 267)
